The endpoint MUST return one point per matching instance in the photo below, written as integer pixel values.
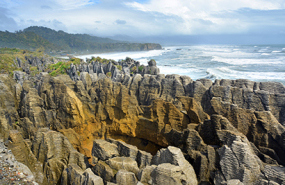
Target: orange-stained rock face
(107, 111)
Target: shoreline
(261, 63)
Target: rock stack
(124, 123)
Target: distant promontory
(59, 42)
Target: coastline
(254, 62)
(127, 119)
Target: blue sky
(148, 18)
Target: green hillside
(83, 43)
(57, 42)
(26, 40)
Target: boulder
(125, 149)
(143, 159)
(124, 177)
(144, 175)
(125, 163)
(174, 156)
(75, 175)
(104, 150)
(167, 173)
(104, 171)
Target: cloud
(6, 22)
(203, 21)
(149, 17)
(53, 24)
(195, 14)
(46, 7)
(118, 21)
(74, 4)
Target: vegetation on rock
(8, 59)
(59, 42)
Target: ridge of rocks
(141, 128)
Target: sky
(157, 20)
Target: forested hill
(61, 42)
(26, 40)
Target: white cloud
(73, 4)
(153, 17)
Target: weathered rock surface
(226, 132)
(174, 156)
(104, 150)
(104, 170)
(167, 173)
(124, 163)
(75, 175)
(55, 152)
(124, 177)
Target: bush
(141, 68)
(62, 67)
(109, 74)
(119, 67)
(134, 69)
(34, 68)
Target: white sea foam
(241, 61)
(179, 70)
(263, 51)
(123, 55)
(266, 54)
(235, 54)
(276, 51)
(226, 73)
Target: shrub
(109, 74)
(119, 67)
(141, 68)
(134, 69)
(34, 68)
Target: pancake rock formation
(125, 123)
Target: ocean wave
(220, 73)
(263, 51)
(226, 73)
(276, 51)
(123, 55)
(266, 54)
(180, 70)
(234, 54)
(234, 61)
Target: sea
(254, 62)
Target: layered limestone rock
(55, 153)
(171, 161)
(9, 103)
(228, 132)
(75, 175)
